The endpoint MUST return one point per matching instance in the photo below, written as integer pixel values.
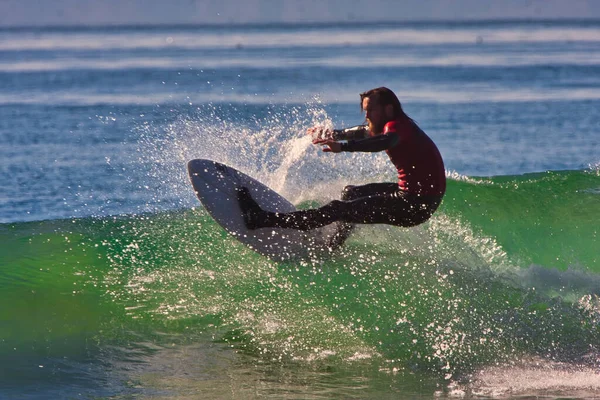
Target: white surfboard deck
(216, 186)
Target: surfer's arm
(372, 144)
(355, 132)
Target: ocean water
(115, 283)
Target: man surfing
(409, 202)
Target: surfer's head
(381, 106)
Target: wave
(493, 278)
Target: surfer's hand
(319, 133)
(329, 146)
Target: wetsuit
(419, 191)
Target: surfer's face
(374, 113)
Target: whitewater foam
(535, 377)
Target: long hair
(384, 96)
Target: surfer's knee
(416, 215)
(347, 192)
(334, 210)
(333, 205)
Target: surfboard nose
(196, 165)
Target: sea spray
(274, 149)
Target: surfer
(409, 202)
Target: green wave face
(508, 268)
(546, 219)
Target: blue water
(96, 125)
(498, 98)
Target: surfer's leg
(383, 203)
(370, 204)
(400, 209)
(343, 230)
(251, 211)
(373, 203)
(350, 192)
(303, 220)
(255, 217)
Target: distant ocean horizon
(117, 283)
(311, 23)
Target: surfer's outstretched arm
(354, 132)
(369, 145)
(372, 144)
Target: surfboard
(216, 187)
